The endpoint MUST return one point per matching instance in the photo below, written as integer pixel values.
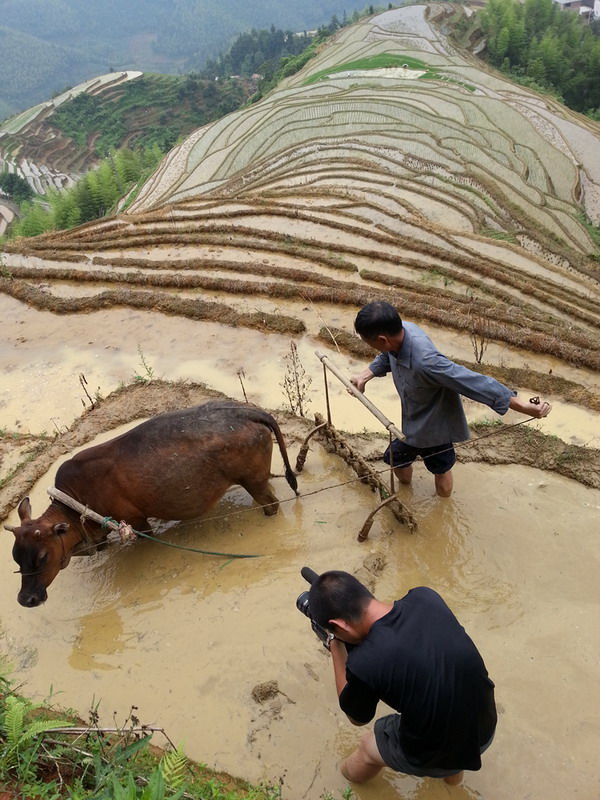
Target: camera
(302, 605)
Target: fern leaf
(13, 720)
(126, 792)
(172, 766)
(41, 726)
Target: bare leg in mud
(455, 780)
(364, 763)
(444, 484)
(404, 474)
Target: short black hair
(337, 595)
(376, 319)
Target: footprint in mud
(268, 696)
(372, 566)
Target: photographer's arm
(357, 700)
(339, 654)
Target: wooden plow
(336, 443)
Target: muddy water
(43, 355)
(186, 638)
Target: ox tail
(271, 422)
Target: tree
(36, 220)
(555, 50)
(15, 187)
(537, 71)
(549, 53)
(501, 46)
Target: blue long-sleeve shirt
(430, 386)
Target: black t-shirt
(419, 660)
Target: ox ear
(24, 509)
(60, 528)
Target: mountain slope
(53, 143)
(33, 68)
(56, 43)
(391, 166)
(391, 97)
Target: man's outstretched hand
(537, 410)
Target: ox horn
(11, 528)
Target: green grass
(486, 424)
(435, 76)
(435, 274)
(593, 231)
(380, 61)
(384, 61)
(502, 236)
(30, 455)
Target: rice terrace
(393, 166)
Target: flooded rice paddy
(42, 356)
(186, 638)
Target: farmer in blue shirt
(430, 386)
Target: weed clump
(296, 383)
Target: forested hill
(47, 46)
(541, 46)
(131, 118)
(32, 69)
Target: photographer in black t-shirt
(415, 656)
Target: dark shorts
(438, 459)
(387, 737)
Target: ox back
(177, 465)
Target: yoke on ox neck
(84, 512)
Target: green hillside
(51, 144)
(146, 112)
(152, 109)
(49, 45)
(537, 45)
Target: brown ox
(172, 467)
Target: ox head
(41, 550)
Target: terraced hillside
(38, 152)
(391, 166)
(53, 143)
(32, 148)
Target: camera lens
(302, 604)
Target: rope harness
(125, 533)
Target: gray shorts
(387, 738)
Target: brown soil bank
(491, 443)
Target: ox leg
(262, 493)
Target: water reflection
(100, 635)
